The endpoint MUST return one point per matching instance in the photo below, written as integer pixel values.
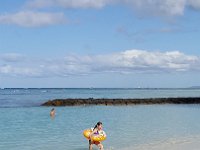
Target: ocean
(24, 124)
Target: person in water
(52, 112)
(97, 129)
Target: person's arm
(95, 130)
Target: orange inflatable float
(96, 137)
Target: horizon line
(192, 87)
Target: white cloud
(32, 19)
(12, 57)
(69, 3)
(130, 61)
(158, 7)
(194, 3)
(145, 61)
(147, 7)
(9, 70)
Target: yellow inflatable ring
(87, 133)
(96, 137)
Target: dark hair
(98, 124)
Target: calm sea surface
(24, 124)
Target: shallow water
(126, 126)
(24, 125)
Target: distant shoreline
(134, 88)
(112, 102)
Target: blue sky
(101, 43)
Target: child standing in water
(97, 129)
(52, 113)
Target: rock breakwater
(103, 101)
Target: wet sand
(171, 144)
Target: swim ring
(96, 137)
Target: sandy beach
(170, 144)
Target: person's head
(52, 109)
(99, 125)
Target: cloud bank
(129, 61)
(32, 19)
(70, 3)
(150, 7)
(12, 57)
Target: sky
(99, 43)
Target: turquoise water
(25, 125)
(34, 97)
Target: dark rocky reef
(102, 101)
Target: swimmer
(52, 112)
(97, 129)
